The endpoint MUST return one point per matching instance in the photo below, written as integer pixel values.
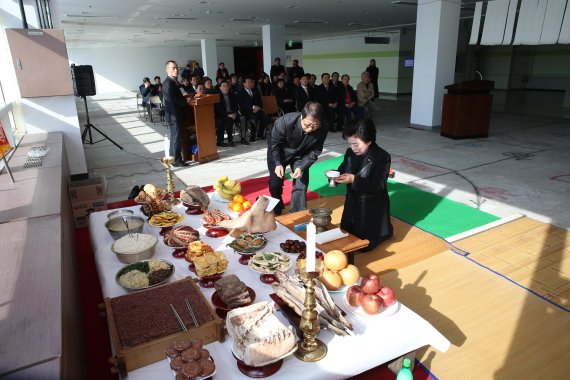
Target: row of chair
(154, 110)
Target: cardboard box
(88, 189)
(81, 210)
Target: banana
(222, 179)
(217, 186)
(230, 183)
(225, 195)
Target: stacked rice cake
(210, 263)
(232, 291)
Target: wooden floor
(534, 254)
(498, 330)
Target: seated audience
(347, 97)
(147, 90)
(158, 86)
(264, 86)
(186, 87)
(226, 114)
(209, 88)
(276, 70)
(294, 71)
(327, 95)
(187, 72)
(250, 106)
(284, 100)
(304, 93)
(365, 93)
(197, 71)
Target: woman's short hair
(363, 129)
(314, 110)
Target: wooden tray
(131, 358)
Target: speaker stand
(88, 127)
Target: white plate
(282, 269)
(269, 361)
(219, 198)
(385, 312)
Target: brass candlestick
(170, 188)
(310, 349)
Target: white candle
(166, 146)
(311, 247)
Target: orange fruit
(246, 204)
(231, 205)
(239, 198)
(237, 207)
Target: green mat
(435, 214)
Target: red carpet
(97, 342)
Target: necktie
(250, 93)
(306, 90)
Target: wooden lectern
(201, 117)
(467, 109)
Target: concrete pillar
(273, 45)
(434, 65)
(209, 57)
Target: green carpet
(435, 214)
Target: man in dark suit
(250, 105)
(276, 70)
(296, 140)
(294, 71)
(327, 95)
(374, 72)
(349, 107)
(226, 114)
(304, 93)
(147, 90)
(175, 107)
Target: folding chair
(139, 105)
(155, 108)
(271, 108)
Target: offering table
(400, 333)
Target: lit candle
(311, 247)
(166, 146)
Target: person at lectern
(365, 170)
(175, 108)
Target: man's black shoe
(180, 164)
(223, 145)
(231, 143)
(252, 139)
(244, 142)
(134, 192)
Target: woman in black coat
(365, 170)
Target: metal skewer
(191, 313)
(178, 317)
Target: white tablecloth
(377, 341)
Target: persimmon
(237, 207)
(238, 198)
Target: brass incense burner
(310, 349)
(321, 217)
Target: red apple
(371, 304)
(370, 283)
(354, 295)
(387, 295)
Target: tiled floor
(522, 167)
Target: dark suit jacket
(301, 97)
(275, 71)
(220, 108)
(293, 72)
(288, 144)
(327, 95)
(174, 102)
(367, 205)
(247, 102)
(342, 94)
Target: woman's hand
(345, 178)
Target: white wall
(120, 69)
(57, 113)
(350, 55)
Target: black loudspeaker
(83, 80)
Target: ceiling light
(403, 2)
(89, 16)
(315, 21)
(175, 18)
(292, 7)
(179, 15)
